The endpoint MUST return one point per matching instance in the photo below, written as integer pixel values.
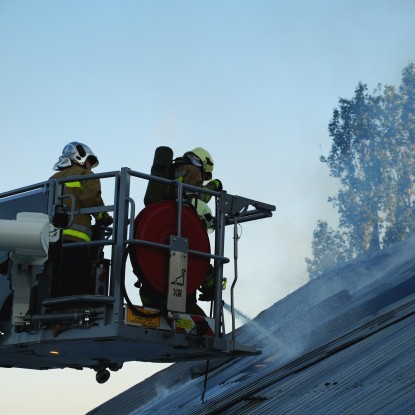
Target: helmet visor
(195, 160)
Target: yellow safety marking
(143, 321)
(185, 324)
(78, 234)
(73, 184)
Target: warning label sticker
(144, 321)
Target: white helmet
(201, 158)
(78, 153)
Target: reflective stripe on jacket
(86, 194)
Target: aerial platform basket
(105, 329)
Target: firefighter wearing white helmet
(77, 153)
(77, 159)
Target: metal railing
(229, 209)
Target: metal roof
(341, 344)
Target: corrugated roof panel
(342, 344)
(317, 387)
(358, 381)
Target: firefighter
(195, 168)
(75, 277)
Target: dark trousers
(72, 273)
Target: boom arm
(27, 238)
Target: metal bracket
(177, 287)
(239, 206)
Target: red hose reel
(156, 223)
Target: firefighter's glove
(216, 185)
(207, 293)
(207, 288)
(104, 221)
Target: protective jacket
(189, 174)
(87, 193)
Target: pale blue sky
(255, 82)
